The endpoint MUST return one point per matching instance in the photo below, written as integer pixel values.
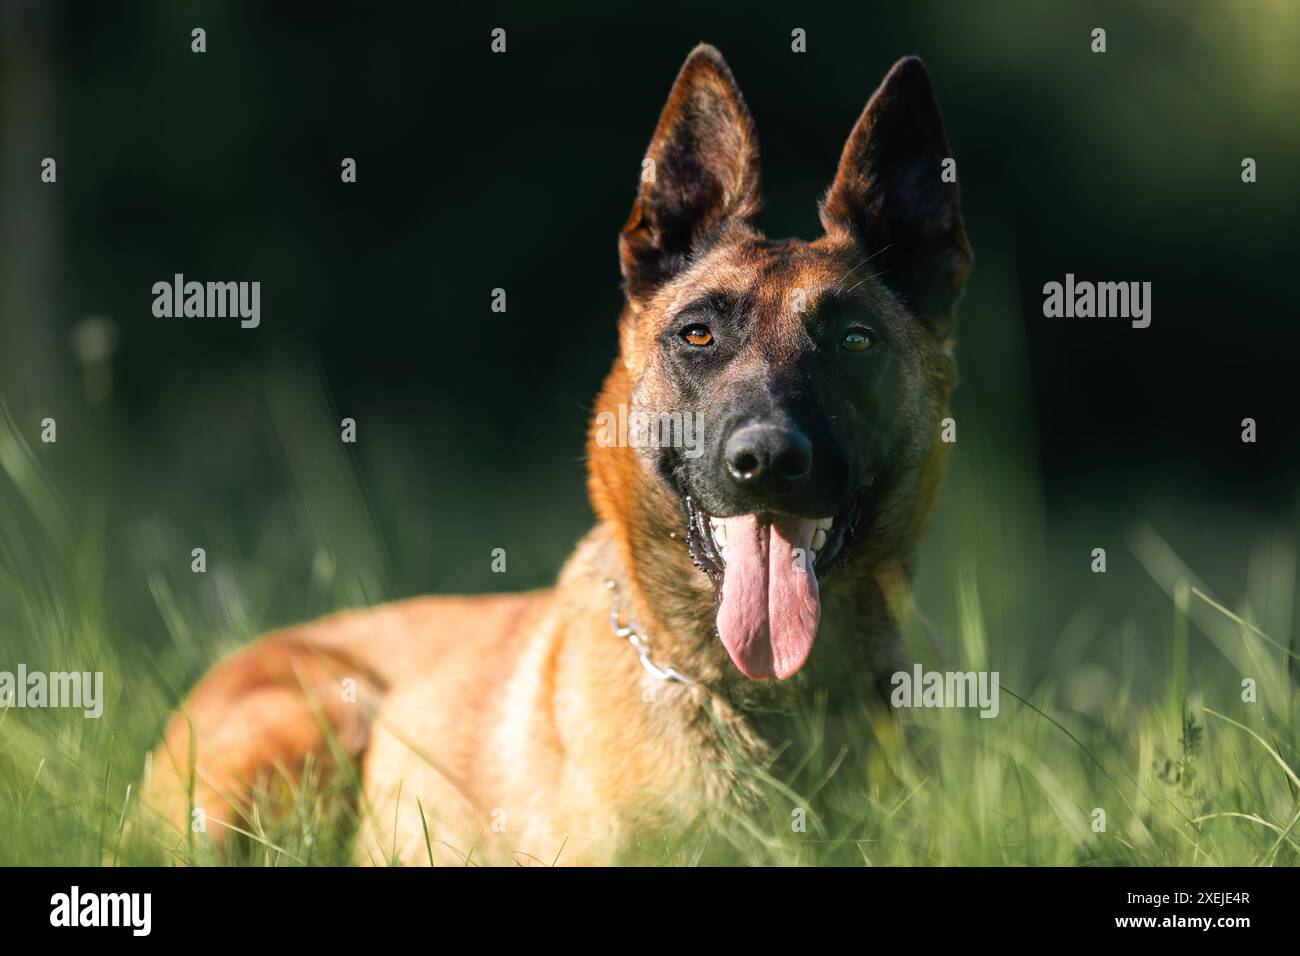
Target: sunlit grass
(1135, 713)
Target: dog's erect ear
(890, 192)
(701, 172)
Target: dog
(720, 586)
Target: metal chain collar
(629, 633)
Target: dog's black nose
(768, 458)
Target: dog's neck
(710, 725)
(671, 609)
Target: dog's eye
(697, 335)
(858, 339)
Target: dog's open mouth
(765, 569)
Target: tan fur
(519, 710)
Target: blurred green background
(478, 171)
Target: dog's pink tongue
(770, 605)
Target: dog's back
(439, 703)
(316, 689)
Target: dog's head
(778, 402)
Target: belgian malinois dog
(720, 584)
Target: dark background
(478, 171)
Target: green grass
(1121, 691)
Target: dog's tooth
(825, 523)
(812, 556)
(819, 540)
(720, 535)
